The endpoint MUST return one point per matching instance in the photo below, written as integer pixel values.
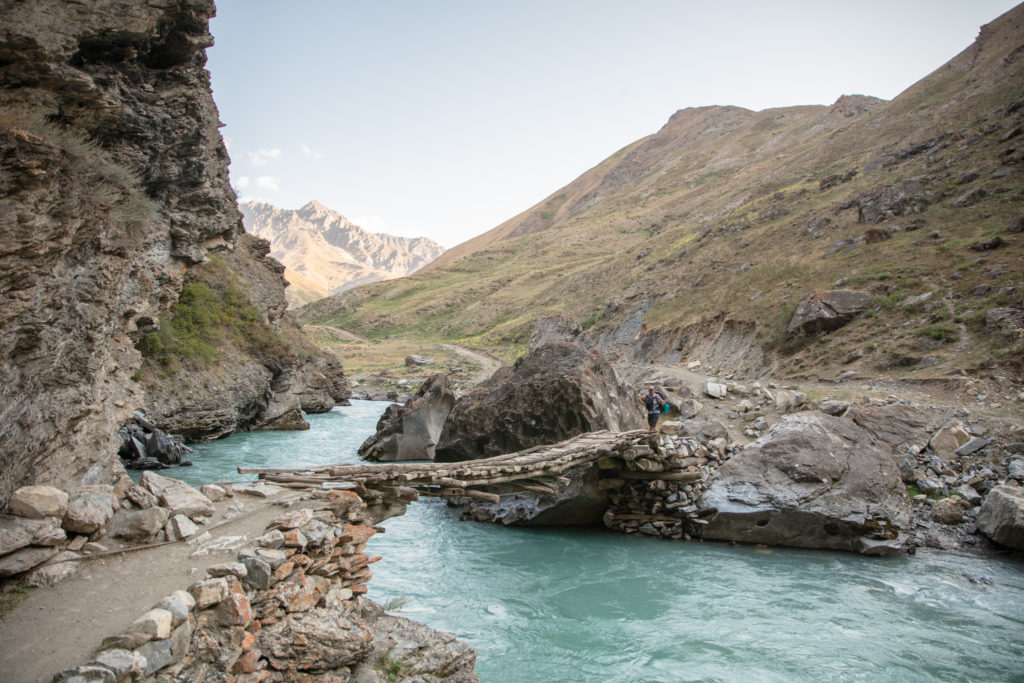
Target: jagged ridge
(325, 253)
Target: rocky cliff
(113, 190)
(325, 253)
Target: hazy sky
(445, 118)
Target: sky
(445, 118)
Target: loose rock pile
(654, 488)
(287, 610)
(144, 446)
(49, 530)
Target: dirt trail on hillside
(62, 626)
(488, 363)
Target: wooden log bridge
(541, 469)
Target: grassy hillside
(731, 215)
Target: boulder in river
(411, 432)
(558, 391)
(1001, 516)
(814, 481)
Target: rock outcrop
(411, 432)
(828, 310)
(558, 391)
(324, 253)
(813, 481)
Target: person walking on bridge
(653, 403)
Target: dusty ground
(62, 626)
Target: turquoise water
(591, 605)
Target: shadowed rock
(411, 432)
(814, 481)
(824, 311)
(558, 391)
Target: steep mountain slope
(325, 253)
(697, 242)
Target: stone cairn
(654, 487)
(286, 609)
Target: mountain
(325, 253)
(698, 242)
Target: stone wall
(287, 609)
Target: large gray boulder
(1001, 516)
(411, 432)
(814, 481)
(824, 311)
(558, 391)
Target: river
(591, 605)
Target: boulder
(24, 559)
(824, 311)
(705, 429)
(90, 508)
(558, 391)
(946, 440)
(554, 328)
(411, 432)
(716, 389)
(947, 511)
(59, 567)
(1001, 516)
(813, 481)
(138, 525)
(689, 407)
(36, 502)
(214, 492)
(786, 399)
(18, 532)
(315, 641)
(897, 424)
(179, 527)
(177, 495)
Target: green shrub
(211, 312)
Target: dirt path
(488, 363)
(60, 627)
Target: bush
(211, 313)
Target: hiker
(653, 403)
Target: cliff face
(113, 187)
(325, 253)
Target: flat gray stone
(59, 567)
(973, 446)
(123, 663)
(22, 560)
(157, 654)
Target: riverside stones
(814, 481)
(1001, 516)
(37, 502)
(90, 508)
(138, 525)
(177, 495)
